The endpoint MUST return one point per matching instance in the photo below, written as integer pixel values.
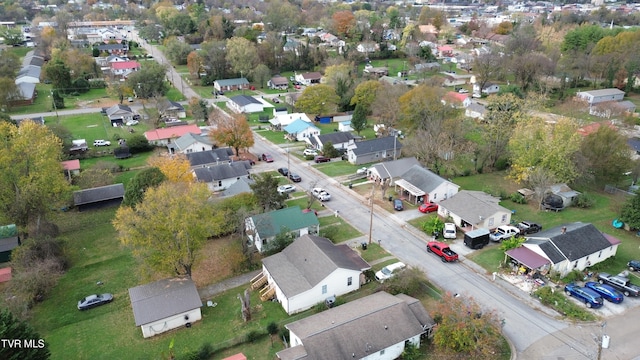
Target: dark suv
(321, 159)
(634, 265)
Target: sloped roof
(171, 132)
(563, 190)
(189, 139)
(244, 100)
(107, 47)
(71, 164)
(232, 82)
(423, 179)
(470, 205)
(358, 329)
(527, 257)
(222, 171)
(97, 194)
(279, 81)
(123, 65)
(119, 109)
(241, 186)
(162, 299)
(27, 90)
(375, 145)
(395, 168)
(309, 260)
(167, 104)
(298, 126)
(33, 60)
(337, 137)
(30, 70)
(455, 97)
(479, 108)
(312, 76)
(572, 241)
(210, 156)
(271, 223)
(602, 92)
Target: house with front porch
(487, 89)
(309, 271)
(300, 130)
(389, 171)
(261, 229)
(421, 185)
(163, 136)
(309, 78)
(189, 143)
(564, 248)
(231, 84)
(124, 68)
(280, 121)
(278, 82)
(474, 209)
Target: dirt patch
(218, 260)
(97, 103)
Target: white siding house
(474, 209)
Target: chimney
(563, 230)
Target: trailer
(476, 239)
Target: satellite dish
(472, 80)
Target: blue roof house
(299, 130)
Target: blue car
(591, 298)
(606, 291)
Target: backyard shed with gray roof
(474, 209)
(98, 197)
(310, 270)
(377, 325)
(165, 305)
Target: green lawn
(43, 102)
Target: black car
(321, 159)
(528, 227)
(397, 205)
(295, 177)
(92, 301)
(634, 265)
(283, 171)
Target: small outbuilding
(98, 197)
(165, 305)
(9, 240)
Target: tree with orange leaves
(343, 22)
(176, 168)
(231, 130)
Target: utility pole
(55, 107)
(373, 189)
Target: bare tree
(245, 302)
(539, 180)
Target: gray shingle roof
(359, 328)
(232, 82)
(271, 223)
(376, 145)
(164, 298)
(30, 70)
(210, 156)
(119, 109)
(97, 194)
(308, 261)
(579, 240)
(241, 186)
(223, 171)
(33, 60)
(27, 90)
(189, 139)
(422, 178)
(8, 244)
(338, 137)
(395, 168)
(469, 205)
(243, 100)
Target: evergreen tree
(32, 345)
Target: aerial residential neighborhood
(319, 180)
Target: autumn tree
(503, 111)
(119, 90)
(318, 99)
(138, 185)
(464, 329)
(233, 131)
(485, 67)
(535, 143)
(199, 108)
(175, 168)
(265, 189)
(339, 77)
(281, 15)
(168, 228)
(343, 23)
(242, 55)
(149, 81)
(365, 94)
(261, 74)
(421, 108)
(177, 51)
(8, 92)
(359, 119)
(607, 155)
(31, 182)
(98, 175)
(386, 106)
(194, 63)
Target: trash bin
(390, 198)
(364, 246)
(350, 186)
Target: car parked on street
(389, 271)
(267, 158)
(634, 265)
(428, 207)
(295, 177)
(310, 152)
(450, 231)
(286, 189)
(283, 171)
(102, 143)
(606, 291)
(397, 205)
(94, 300)
(321, 159)
(591, 298)
(321, 194)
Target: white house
(565, 248)
(339, 140)
(377, 327)
(488, 89)
(29, 74)
(457, 100)
(475, 111)
(189, 143)
(300, 130)
(374, 150)
(309, 78)
(593, 97)
(309, 271)
(220, 177)
(163, 136)
(165, 305)
(367, 47)
(262, 228)
(474, 209)
(245, 104)
(215, 156)
(280, 121)
(420, 184)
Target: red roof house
(71, 167)
(164, 135)
(124, 67)
(456, 99)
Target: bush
(203, 353)
(561, 303)
(584, 201)
(407, 282)
(502, 164)
(517, 198)
(573, 276)
(137, 143)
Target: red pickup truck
(443, 250)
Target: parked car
(321, 159)
(295, 177)
(450, 231)
(504, 232)
(321, 194)
(463, 91)
(286, 189)
(634, 265)
(397, 205)
(267, 158)
(606, 291)
(132, 122)
(92, 301)
(528, 227)
(362, 170)
(283, 171)
(102, 143)
(427, 208)
(130, 99)
(442, 250)
(275, 100)
(389, 271)
(591, 298)
(310, 152)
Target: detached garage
(165, 305)
(110, 195)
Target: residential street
(531, 328)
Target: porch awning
(528, 257)
(413, 190)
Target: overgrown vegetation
(556, 300)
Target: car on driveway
(634, 265)
(389, 271)
(321, 194)
(321, 159)
(504, 232)
(267, 158)
(397, 205)
(310, 152)
(450, 231)
(286, 189)
(528, 227)
(362, 170)
(428, 207)
(295, 177)
(591, 298)
(132, 122)
(102, 143)
(94, 300)
(283, 171)
(606, 291)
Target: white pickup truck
(504, 232)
